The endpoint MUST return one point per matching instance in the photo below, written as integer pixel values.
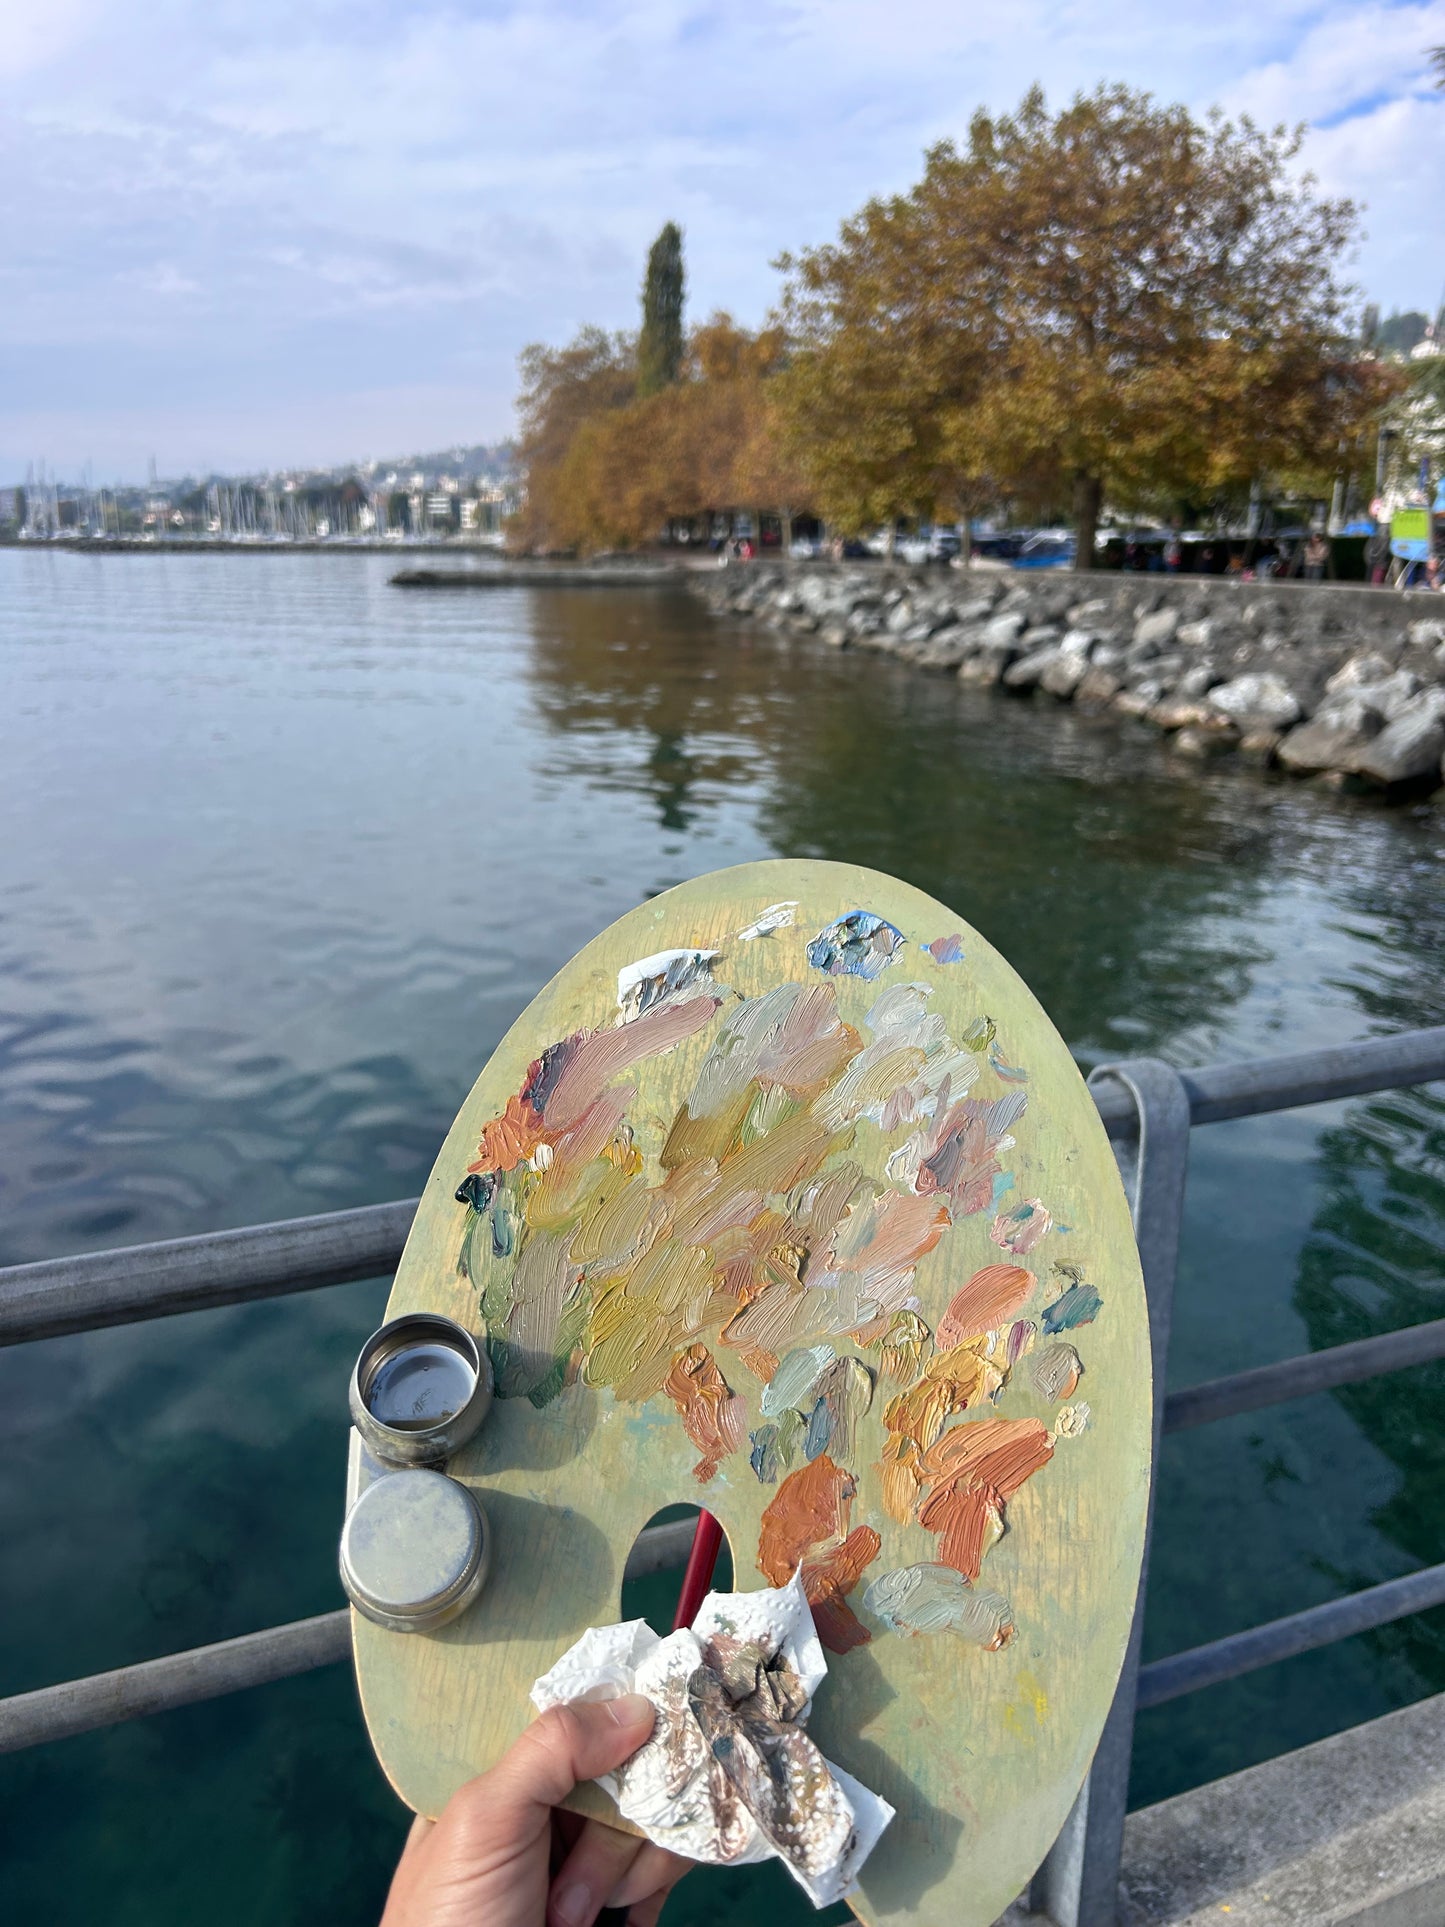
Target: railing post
(1078, 1885)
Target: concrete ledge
(1347, 1833)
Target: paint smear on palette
(971, 1474)
(1021, 1336)
(897, 1077)
(903, 1347)
(986, 1303)
(713, 1417)
(1080, 1305)
(1021, 1227)
(778, 1447)
(957, 1153)
(666, 978)
(1071, 1421)
(1010, 1073)
(860, 944)
(945, 950)
(935, 1599)
(806, 1524)
(777, 916)
(844, 1394)
(793, 1381)
(1055, 1371)
(978, 1035)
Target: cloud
(257, 218)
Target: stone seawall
(1346, 685)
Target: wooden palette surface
(835, 1130)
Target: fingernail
(631, 1709)
(574, 1904)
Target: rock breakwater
(1343, 685)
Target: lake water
(285, 850)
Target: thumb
(567, 1745)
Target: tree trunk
(1088, 500)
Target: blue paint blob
(859, 945)
(1080, 1305)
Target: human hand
(502, 1856)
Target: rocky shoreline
(1344, 685)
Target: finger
(417, 1835)
(596, 1865)
(653, 1871)
(567, 1745)
(644, 1913)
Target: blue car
(1050, 549)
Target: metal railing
(1147, 1108)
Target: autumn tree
(707, 442)
(660, 344)
(1115, 297)
(564, 389)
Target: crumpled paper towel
(729, 1776)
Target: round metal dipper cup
(414, 1551)
(421, 1387)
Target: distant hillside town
(464, 491)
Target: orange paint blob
(510, 1139)
(713, 1417)
(987, 1302)
(806, 1524)
(973, 1471)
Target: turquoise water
(284, 852)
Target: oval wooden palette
(785, 1197)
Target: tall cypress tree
(659, 346)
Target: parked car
(1048, 549)
(998, 545)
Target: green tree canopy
(660, 344)
(1111, 299)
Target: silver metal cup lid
(415, 1550)
(421, 1387)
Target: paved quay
(1349, 1832)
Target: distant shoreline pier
(547, 575)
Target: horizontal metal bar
(1297, 1377)
(1220, 1091)
(232, 1665)
(99, 1288)
(158, 1685)
(1336, 1619)
(86, 1293)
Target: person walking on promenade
(1317, 555)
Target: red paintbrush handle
(696, 1581)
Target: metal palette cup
(421, 1387)
(415, 1550)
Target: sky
(247, 234)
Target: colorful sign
(1410, 535)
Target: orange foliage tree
(626, 464)
(1116, 298)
